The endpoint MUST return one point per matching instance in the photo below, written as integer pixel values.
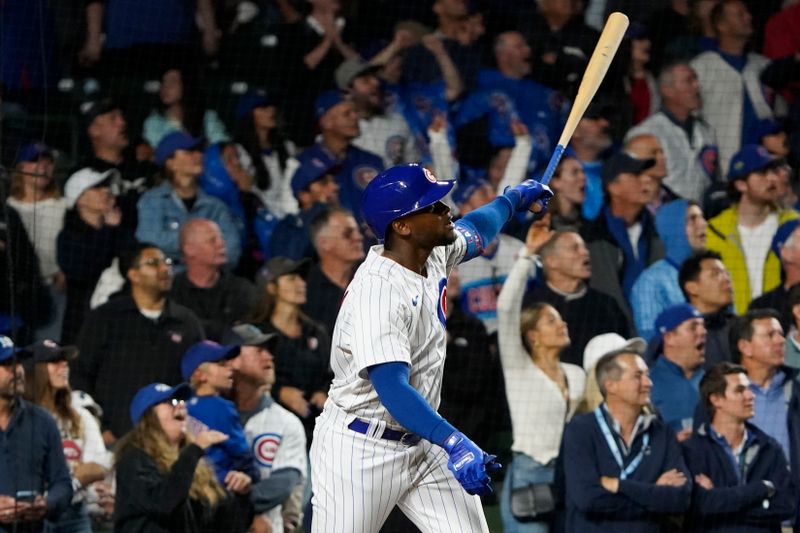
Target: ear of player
(527, 194)
(470, 465)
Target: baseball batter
(379, 441)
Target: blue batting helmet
(399, 191)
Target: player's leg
(436, 502)
(356, 480)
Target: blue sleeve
(406, 405)
(481, 226)
(151, 225)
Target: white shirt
(538, 410)
(756, 242)
(389, 137)
(634, 232)
(277, 440)
(391, 314)
(43, 222)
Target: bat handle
(551, 166)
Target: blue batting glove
(469, 464)
(527, 193)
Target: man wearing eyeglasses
(134, 339)
(340, 247)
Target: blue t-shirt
(419, 103)
(673, 394)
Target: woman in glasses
(163, 483)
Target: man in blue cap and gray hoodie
(682, 229)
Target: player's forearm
(485, 223)
(406, 405)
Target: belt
(407, 439)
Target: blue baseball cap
(766, 126)
(251, 100)
(31, 152)
(751, 158)
(205, 352)
(673, 316)
(328, 100)
(467, 188)
(154, 394)
(172, 142)
(7, 350)
(315, 164)
(782, 233)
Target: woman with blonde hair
(542, 392)
(47, 375)
(163, 483)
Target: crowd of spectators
(171, 271)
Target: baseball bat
(603, 54)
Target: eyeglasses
(156, 262)
(175, 402)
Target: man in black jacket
(622, 240)
(706, 283)
(587, 311)
(134, 339)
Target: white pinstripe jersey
(390, 313)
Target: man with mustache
(678, 368)
(742, 234)
(741, 476)
(33, 460)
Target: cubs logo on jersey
(265, 448)
(442, 310)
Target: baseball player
(379, 441)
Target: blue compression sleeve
(406, 405)
(480, 227)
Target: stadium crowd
(171, 271)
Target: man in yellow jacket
(742, 233)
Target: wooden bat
(603, 54)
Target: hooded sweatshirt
(657, 287)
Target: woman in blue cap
(163, 485)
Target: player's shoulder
(377, 269)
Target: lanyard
(612, 445)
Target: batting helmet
(399, 191)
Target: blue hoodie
(657, 287)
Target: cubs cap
(766, 126)
(610, 343)
(751, 158)
(315, 164)
(154, 394)
(31, 152)
(7, 350)
(399, 191)
(205, 352)
(624, 163)
(172, 142)
(85, 179)
(253, 99)
(467, 188)
(782, 234)
(249, 335)
(327, 101)
(351, 69)
(673, 316)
